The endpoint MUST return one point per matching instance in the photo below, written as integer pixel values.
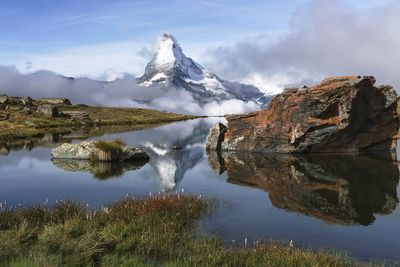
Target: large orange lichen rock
(341, 114)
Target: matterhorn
(170, 68)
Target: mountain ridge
(171, 68)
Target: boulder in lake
(216, 136)
(87, 150)
(341, 114)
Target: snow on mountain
(171, 68)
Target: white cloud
(180, 101)
(273, 84)
(120, 92)
(324, 39)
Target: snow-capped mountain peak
(167, 53)
(169, 60)
(171, 68)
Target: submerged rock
(87, 150)
(341, 114)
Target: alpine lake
(345, 203)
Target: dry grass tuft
(158, 230)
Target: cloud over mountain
(324, 39)
(120, 92)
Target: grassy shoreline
(20, 125)
(159, 230)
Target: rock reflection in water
(100, 170)
(340, 189)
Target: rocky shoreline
(24, 117)
(340, 115)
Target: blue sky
(88, 37)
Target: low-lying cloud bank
(120, 92)
(324, 39)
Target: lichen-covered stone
(76, 114)
(87, 149)
(14, 100)
(341, 114)
(56, 101)
(48, 110)
(81, 151)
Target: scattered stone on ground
(56, 101)
(48, 110)
(77, 115)
(4, 116)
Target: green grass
(155, 231)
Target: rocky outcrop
(48, 110)
(14, 100)
(56, 101)
(4, 116)
(77, 115)
(341, 114)
(339, 189)
(87, 150)
(216, 136)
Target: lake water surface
(343, 202)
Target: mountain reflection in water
(171, 164)
(172, 154)
(339, 189)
